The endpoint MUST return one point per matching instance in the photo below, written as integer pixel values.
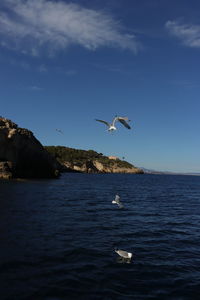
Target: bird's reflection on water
(122, 260)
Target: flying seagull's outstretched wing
(103, 122)
(123, 121)
(117, 199)
(114, 120)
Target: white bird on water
(117, 201)
(111, 126)
(124, 254)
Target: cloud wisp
(188, 34)
(35, 88)
(34, 26)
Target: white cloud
(32, 26)
(70, 72)
(34, 88)
(185, 83)
(22, 64)
(42, 69)
(188, 34)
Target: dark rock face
(6, 170)
(22, 155)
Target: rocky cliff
(94, 166)
(22, 155)
(90, 161)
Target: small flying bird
(124, 254)
(59, 130)
(117, 201)
(111, 126)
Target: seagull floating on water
(111, 126)
(117, 201)
(124, 254)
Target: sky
(64, 64)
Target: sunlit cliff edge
(90, 161)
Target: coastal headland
(23, 156)
(90, 161)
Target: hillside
(89, 161)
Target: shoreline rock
(22, 155)
(97, 167)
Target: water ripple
(58, 238)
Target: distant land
(151, 171)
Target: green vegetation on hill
(79, 157)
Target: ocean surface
(57, 237)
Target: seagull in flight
(111, 126)
(59, 130)
(117, 201)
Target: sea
(58, 237)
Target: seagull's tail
(130, 254)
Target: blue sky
(65, 63)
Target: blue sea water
(58, 237)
